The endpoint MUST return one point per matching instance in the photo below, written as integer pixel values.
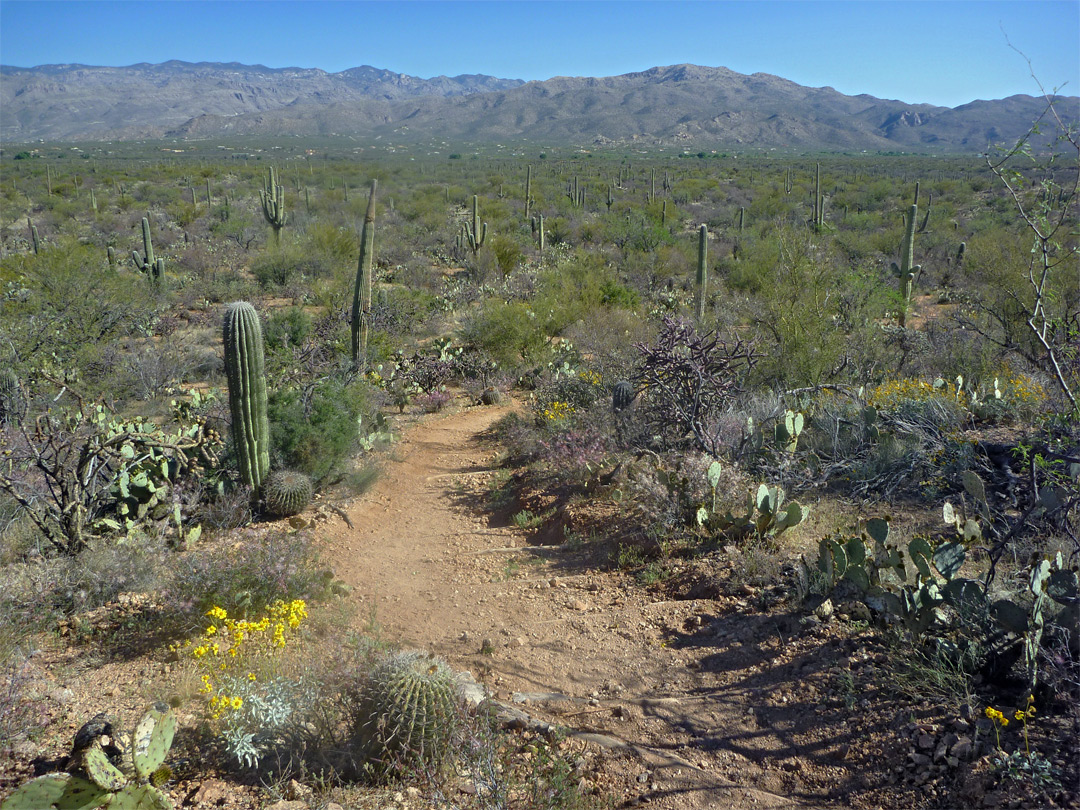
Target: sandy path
(572, 646)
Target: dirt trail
(573, 646)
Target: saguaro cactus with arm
(273, 205)
(906, 270)
(154, 268)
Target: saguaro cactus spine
(702, 270)
(361, 313)
(273, 205)
(246, 373)
(153, 267)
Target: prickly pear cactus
(286, 493)
(408, 712)
(56, 790)
(107, 785)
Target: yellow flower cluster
(591, 377)
(997, 716)
(892, 393)
(557, 411)
(232, 646)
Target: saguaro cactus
(246, 373)
(153, 267)
(702, 270)
(33, 236)
(361, 313)
(906, 270)
(528, 190)
(474, 233)
(273, 205)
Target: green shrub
(315, 430)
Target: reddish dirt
(676, 691)
(692, 692)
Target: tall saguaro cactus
(474, 233)
(702, 270)
(361, 312)
(153, 267)
(246, 373)
(528, 190)
(273, 205)
(906, 270)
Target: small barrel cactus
(286, 493)
(491, 396)
(622, 396)
(408, 712)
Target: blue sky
(944, 52)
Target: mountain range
(688, 105)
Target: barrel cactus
(622, 396)
(286, 493)
(245, 370)
(407, 713)
(491, 396)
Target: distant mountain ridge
(679, 104)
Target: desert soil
(685, 700)
(691, 692)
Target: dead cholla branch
(687, 380)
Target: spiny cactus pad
(408, 711)
(59, 790)
(152, 739)
(286, 493)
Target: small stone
(920, 760)
(644, 777)
(824, 611)
(298, 792)
(962, 748)
(63, 695)
(464, 636)
(926, 741)
(577, 604)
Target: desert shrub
(509, 332)
(507, 253)
(277, 268)
(399, 311)
(688, 380)
(314, 429)
(241, 578)
(41, 589)
(287, 328)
